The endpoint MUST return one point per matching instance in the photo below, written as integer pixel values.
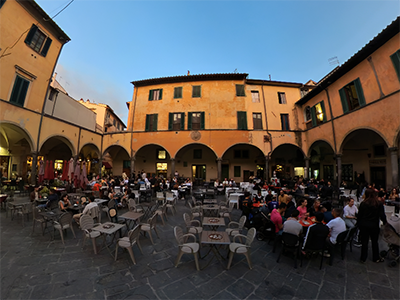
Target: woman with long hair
(370, 212)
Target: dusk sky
(116, 42)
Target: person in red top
(276, 218)
(96, 186)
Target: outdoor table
(213, 222)
(210, 209)
(214, 239)
(210, 201)
(50, 217)
(132, 217)
(108, 229)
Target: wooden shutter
(46, 47)
(313, 116)
(343, 98)
(396, 62)
(182, 121)
(360, 93)
(202, 121)
(196, 91)
(160, 95)
(155, 122)
(19, 91)
(151, 92)
(190, 121)
(170, 121)
(323, 110)
(147, 128)
(242, 120)
(30, 34)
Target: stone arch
(316, 142)
(345, 136)
(115, 145)
(237, 144)
(153, 144)
(61, 138)
(196, 143)
(16, 127)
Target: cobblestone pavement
(34, 267)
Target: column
(219, 168)
(133, 158)
(100, 167)
(307, 167)
(34, 166)
(394, 165)
(172, 167)
(339, 168)
(266, 171)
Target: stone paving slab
(36, 267)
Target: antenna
(235, 71)
(333, 61)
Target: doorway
(378, 176)
(198, 174)
(224, 172)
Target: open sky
(115, 42)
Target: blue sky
(115, 42)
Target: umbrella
(77, 173)
(46, 170)
(71, 169)
(65, 171)
(51, 170)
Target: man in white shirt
(292, 224)
(86, 209)
(336, 225)
(349, 214)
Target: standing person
(370, 212)
(349, 214)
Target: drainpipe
(267, 157)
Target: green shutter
(175, 93)
(182, 121)
(170, 121)
(155, 122)
(202, 122)
(147, 123)
(343, 98)
(396, 62)
(323, 110)
(242, 120)
(160, 95)
(190, 121)
(30, 34)
(360, 93)
(151, 95)
(19, 91)
(313, 116)
(46, 47)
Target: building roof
(189, 78)
(277, 83)
(384, 36)
(106, 106)
(45, 19)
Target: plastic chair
(63, 223)
(86, 223)
(162, 211)
(290, 242)
(128, 242)
(242, 248)
(197, 211)
(235, 228)
(192, 248)
(190, 227)
(132, 205)
(38, 219)
(147, 227)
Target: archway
(196, 161)
(91, 154)
(153, 159)
(57, 149)
(365, 155)
(241, 161)
(16, 146)
(116, 160)
(287, 161)
(322, 161)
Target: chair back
(131, 204)
(94, 212)
(290, 240)
(169, 196)
(35, 212)
(250, 236)
(160, 195)
(342, 237)
(65, 219)
(86, 222)
(242, 221)
(53, 205)
(187, 219)
(134, 234)
(112, 215)
(178, 235)
(153, 221)
(111, 203)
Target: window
(114, 123)
(2, 3)
(255, 97)
(178, 92)
(307, 117)
(53, 94)
(282, 98)
(241, 154)
(285, 121)
(318, 115)
(352, 96)
(395, 57)
(257, 122)
(236, 171)
(161, 154)
(19, 91)
(126, 164)
(38, 41)
(176, 121)
(242, 120)
(196, 91)
(155, 94)
(196, 120)
(197, 154)
(240, 90)
(151, 122)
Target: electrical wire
(63, 9)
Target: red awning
(107, 165)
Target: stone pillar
(100, 167)
(339, 168)
(172, 167)
(266, 171)
(219, 168)
(394, 154)
(133, 158)
(307, 167)
(34, 166)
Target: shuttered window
(318, 114)
(282, 98)
(178, 92)
(151, 122)
(285, 122)
(395, 57)
(352, 96)
(195, 120)
(196, 91)
(155, 94)
(19, 91)
(38, 41)
(240, 90)
(242, 120)
(176, 121)
(257, 121)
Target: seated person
(273, 204)
(290, 207)
(302, 208)
(315, 208)
(276, 218)
(258, 198)
(282, 197)
(326, 210)
(336, 226)
(316, 234)
(349, 214)
(64, 202)
(292, 224)
(247, 204)
(86, 209)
